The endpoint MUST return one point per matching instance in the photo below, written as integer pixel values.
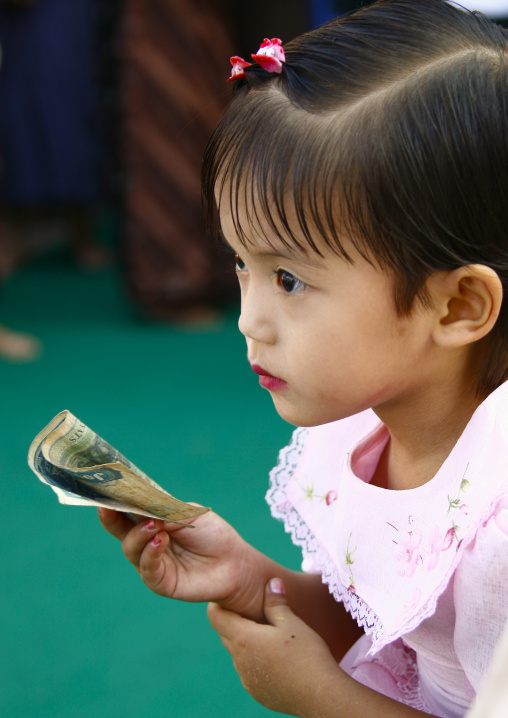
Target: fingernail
(150, 525)
(276, 586)
(156, 541)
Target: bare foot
(18, 347)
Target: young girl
(360, 175)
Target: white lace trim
(400, 662)
(316, 556)
(312, 550)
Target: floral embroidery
(329, 498)
(349, 562)
(455, 505)
(408, 551)
(438, 541)
(411, 552)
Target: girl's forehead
(262, 218)
(251, 228)
(280, 225)
(254, 233)
(261, 231)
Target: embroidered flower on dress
(411, 552)
(349, 563)
(408, 552)
(455, 505)
(440, 540)
(448, 539)
(330, 497)
(434, 547)
(270, 55)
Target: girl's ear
(467, 302)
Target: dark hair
(389, 125)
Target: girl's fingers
(226, 623)
(115, 523)
(214, 612)
(142, 537)
(143, 544)
(151, 568)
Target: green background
(80, 635)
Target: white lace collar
(388, 555)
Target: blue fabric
(49, 140)
(321, 11)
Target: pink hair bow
(270, 57)
(239, 65)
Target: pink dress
(423, 571)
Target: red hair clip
(239, 65)
(270, 57)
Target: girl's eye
(240, 264)
(288, 282)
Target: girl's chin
(298, 415)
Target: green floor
(80, 635)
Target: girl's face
(324, 334)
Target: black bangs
(274, 161)
(396, 173)
(364, 134)
(387, 129)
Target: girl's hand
(210, 562)
(284, 665)
(287, 667)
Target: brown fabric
(175, 59)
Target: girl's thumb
(276, 604)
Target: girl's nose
(256, 321)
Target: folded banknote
(84, 470)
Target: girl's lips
(267, 380)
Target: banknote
(84, 470)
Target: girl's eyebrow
(285, 252)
